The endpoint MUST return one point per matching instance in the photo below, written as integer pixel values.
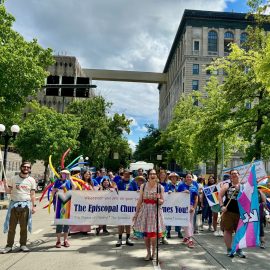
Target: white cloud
(115, 34)
(132, 145)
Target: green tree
(46, 132)
(22, 69)
(150, 146)
(100, 134)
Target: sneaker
(180, 235)
(24, 249)
(201, 228)
(6, 250)
(196, 232)
(58, 244)
(129, 242)
(66, 243)
(164, 241)
(169, 235)
(185, 241)
(119, 243)
(229, 254)
(221, 233)
(216, 233)
(97, 231)
(262, 245)
(190, 244)
(240, 253)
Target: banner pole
(157, 227)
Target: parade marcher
(207, 213)
(105, 184)
(189, 187)
(172, 187)
(126, 184)
(140, 180)
(163, 180)
(230, 211)
(89, 183)
(145, 218)
(64, 182)
(21, 207)
(262, 202)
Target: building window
(195, 85)
(195, 69)
(183, 88)
(212, 41)
(228, 38)
(196, 45)
(243, 38)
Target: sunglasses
(26, 167)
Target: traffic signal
(67, 91)
(82, 91)
(50, 89)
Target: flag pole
(252, 161)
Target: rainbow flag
(248, 230)
(62, 208)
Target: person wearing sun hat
(139, 180)
(172, 187)
(65, 182)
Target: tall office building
(64, 66)
(202, 36)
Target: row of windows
(228, 38)
(196, 70)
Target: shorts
(62, 228)
(229, 221)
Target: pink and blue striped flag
(248, 230)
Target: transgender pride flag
(248, 230)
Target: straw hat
(173, 174)
(139, 178)
(65, 171)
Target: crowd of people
(151, 187)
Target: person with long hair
(189, 187)
(90, 184)
(207, 213)
(145, 218)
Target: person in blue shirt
(126, 184)
(189, 187)
(65, 182)
(172, 187)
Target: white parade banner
(242, 169)
(111, 208)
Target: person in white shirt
(22, 205)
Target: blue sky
(110, 35)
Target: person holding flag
(230, 210)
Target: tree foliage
(46, 132)
(22, 69)
(101, 135)
(150, 146)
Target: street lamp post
(15, 130)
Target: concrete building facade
(202, 36)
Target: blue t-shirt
(98, 179)
(165, 185)
(129, 185)
(116, 179)
(172, 187)
(192, 189)
(62, 184)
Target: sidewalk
(210, 253)
(4, 204)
